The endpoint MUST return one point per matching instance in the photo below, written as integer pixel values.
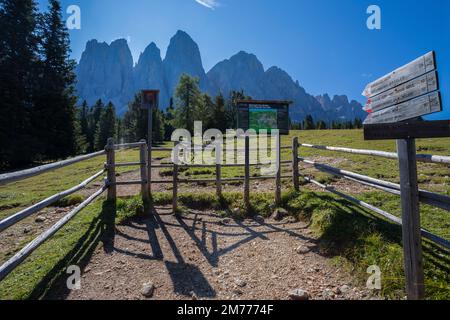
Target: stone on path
(148, 289)
(299, 294)
(40, 219)
(279, 214)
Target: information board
(263, 115)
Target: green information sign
(263, 115)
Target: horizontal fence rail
(28, 173)
(233, 165)
(128, 164)
(20, 256)
(390, 155)
(228, 179)
(427, 197)
(129, 145)
(241, 149)
(426, 234)
(131, 182)
(11, 220)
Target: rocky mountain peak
(183, 56)
(151, 52)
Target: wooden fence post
(144, 177)
(247, 173)
(278, 177)
(412, 245)
(295, 175)
(150, 147)
(111, 162)
(175, 186)
(219, 180)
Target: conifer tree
(55, 105)
(308, 124)
(106, 127)
(187, 98)
(219, 114)
(18, 75)
(93, 120)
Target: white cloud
(211, 4)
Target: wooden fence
(146, 181)
(109, 185)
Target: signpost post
(264, 115)
(149, 101)
(395, 101)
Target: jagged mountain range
(108, 72)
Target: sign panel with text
(397, 101)
(263, 115)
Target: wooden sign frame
(149, 99)
(407, 130)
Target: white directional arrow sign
(407, 91)
(404, 74)
(417, 107)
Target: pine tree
(321, 125)
(219, 114)
(82, 128)
(358, 123)
(55, 105)
(18, 75)
(119, 130)
(93, 120)
(135, 121)
(187, 98)
(106, 127)
(204, 111)
(158, 125)
(83, 119)
(97, 111)
(168, 123)
(308, 124)
(80, 140)
(231, 109)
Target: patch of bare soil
(204, 256)
(18, 235)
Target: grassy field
(351, 235)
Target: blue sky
(324, 44)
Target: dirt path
(203, 256)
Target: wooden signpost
(395, 102)
(263, 115)
(150, 101)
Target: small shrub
(129, 208)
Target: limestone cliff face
(149, 73)
(183, 56)
(106, 72)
